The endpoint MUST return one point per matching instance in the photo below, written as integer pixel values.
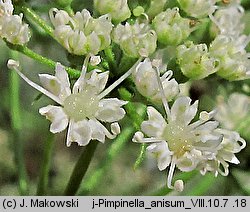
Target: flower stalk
(16, 128)
(80, 169)
(44, 174)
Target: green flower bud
(118, 9)
(195, 61)
(135, 40)
(198, 8)
(156, 6)
(170, 27)
(234, 60)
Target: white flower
(232, 143)
(234, 61)
(233, 112)
(11, 26)
(229, 20)
(82, 110)
(149, 88)
(170, 27)
(81, 34)
(136, 40)
(188, 146)
(195, 60)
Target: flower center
(81, 105)
(178, 137)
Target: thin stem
(16, 128)
(80, 169)
(44, 175)
(94, 178)
(74, 73)
(119, 81)
(28, 12)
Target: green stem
(110, 57)
(74, 73)
(80, 169)
(44, 175)
(117, 145)
(29, 13)
(16, 128)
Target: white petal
(155, 125)
(57, 116)
(51, 83)
(98, 130)
(63, 77)
(162, 153)
(182, 111)
(80, 133)
(115, 128)
(98, 81)
(110, 110)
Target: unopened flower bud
(234, 60)
(170, 27)
(156, 6)
(14, 30)
(81, 34)
(135, 40)
(118, 9)
(195, 61)
(179, 185)
(198, 8)
(150, 88)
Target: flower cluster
(81, 33)
(135, 40)
(161, 38)
(170, 27)
(11, 26)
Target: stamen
(204, 117)
(120, 80)
(13, 65)
(68, 141)
(78, 86)
(225, 167)
(163, 97)
(171, 173)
